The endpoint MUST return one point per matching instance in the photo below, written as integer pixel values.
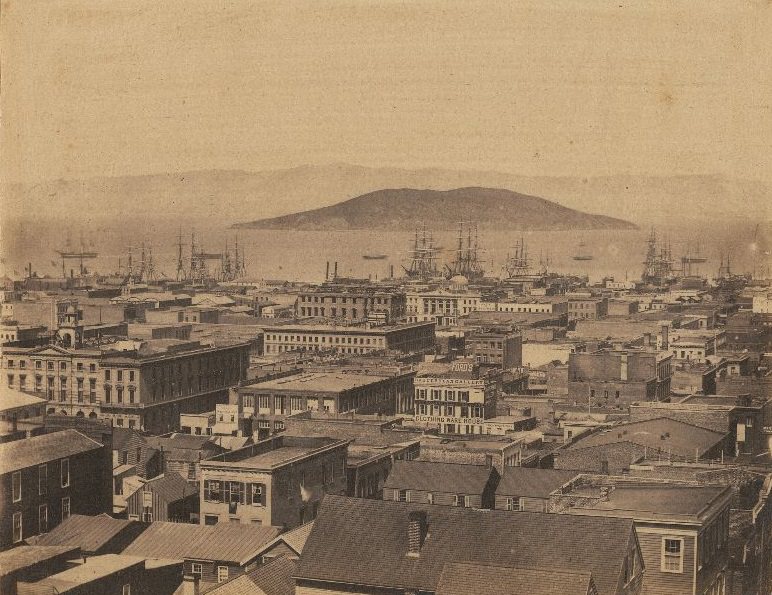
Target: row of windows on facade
(197, 569)
(254, 494)
(50, 389)
(326, 339)
(64, 479)
(205, 364)
(451, 410)
(334, 299)
(298, 404)
(18, 527)
(462, 500)
(333, 312)
(437, 395)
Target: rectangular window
(257, 494)
(16, 480)
(672, 559)
(126, 590)
(196, 569)
(108, 394)
(65, 472)
(212, 491)
(65, 508)
(467, 501)
(42, 480)
(17, 534)
(222, 574)
(43, 518)
(429, 498)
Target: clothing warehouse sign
(441, 419)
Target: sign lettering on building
(441, 419)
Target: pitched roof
(273, 578)
(169, 486)
(462, 579)
(122, 437)
(532, 483)
(364, 542)
(438, 477)
(295, 538)
(91, 570)
(20, 454)
(90, 533)
(224, 542)
(10, 399)
(662, 433)
(24, 556)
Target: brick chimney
(417, 526)
(665, 343)
(190, 585)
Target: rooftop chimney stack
(190, 585)
(665, 343)
(416, 532)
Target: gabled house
(167, 497)
(525, 489)
(448, 484)
(212, 554)
(375, 547)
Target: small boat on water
(374, 256)
(582, 253)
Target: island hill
(491, 208)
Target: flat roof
(286, 448)
(339, 328)
(317, 381)
(680, 500)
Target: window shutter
(262, 494)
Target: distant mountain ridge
(228, 196)
(402, 208)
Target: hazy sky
(108, 87)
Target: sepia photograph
(385, 297)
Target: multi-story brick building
(495, 347)
(350, 303)
(46, 478)
(354, 339)
(441, 306)
(272, 401)
(544, 305)
(587, 308)
(137, 384)
(455, 398)
(614, 377)
(279, 481)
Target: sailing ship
(423, 257)
(467, 261)
(518, 262)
